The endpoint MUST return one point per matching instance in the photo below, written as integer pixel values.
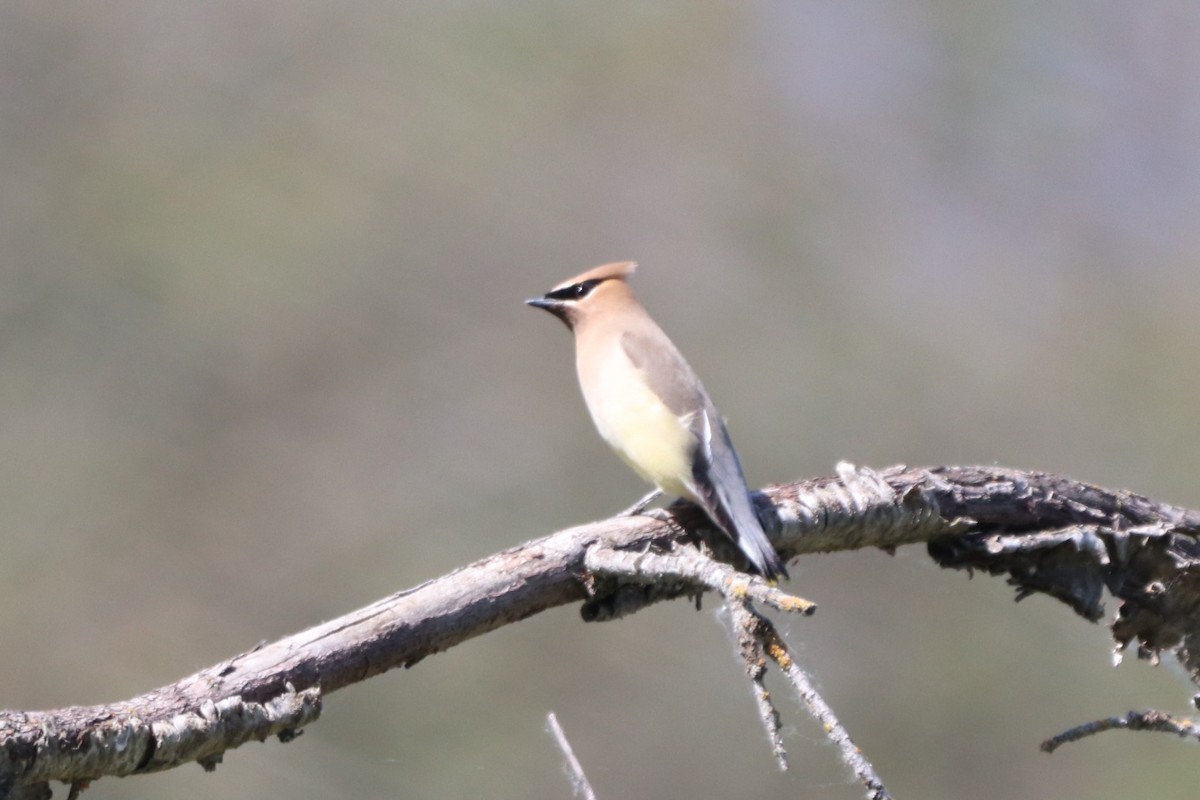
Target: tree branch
(1047, 533)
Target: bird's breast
(636, 423)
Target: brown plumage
(651, 408)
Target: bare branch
(1045, 532)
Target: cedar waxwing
(651, 408)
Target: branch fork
(757, 637)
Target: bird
(649, 406)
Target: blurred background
(264, 359)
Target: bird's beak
(558, 308)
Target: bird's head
(575, 299)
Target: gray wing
(666, 371)
(717, 478)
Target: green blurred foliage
(263, 358)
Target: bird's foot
(641, 505)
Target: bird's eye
(576, 291)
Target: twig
(571, 765)
(688, 568)
(852, 756)
(747, 630)
(1133, 721)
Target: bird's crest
(619, 269)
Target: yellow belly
(644, 433)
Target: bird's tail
(741, 524)
(727, 502)
(721, 484)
